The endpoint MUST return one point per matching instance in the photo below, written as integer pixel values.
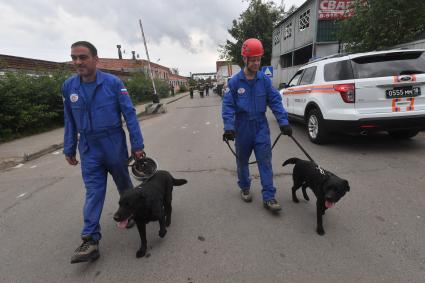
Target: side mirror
(283, 85)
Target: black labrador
(327, 187)
(150, 201)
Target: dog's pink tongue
(329, 204)
(122, 224)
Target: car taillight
(347, 91)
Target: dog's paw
(162, 233)
(306, 198)
(295, 200)
(167, 222)
(320, 231)
(141, 252)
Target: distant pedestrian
(207, 90)
(172, 89)
(93, 105)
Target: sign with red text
(335, 9)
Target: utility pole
(155, 98)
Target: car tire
(316, 129)
(403, 134)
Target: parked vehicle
(359, 93)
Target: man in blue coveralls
(244, 115)
(93, 104)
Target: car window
(389, 64)
(308, 76)
(339, 71)
(295, 79)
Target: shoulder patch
(241, 90)
(124, 91)
(73, 97)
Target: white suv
(359, 93)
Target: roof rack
(337, 55)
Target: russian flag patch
(124, 91)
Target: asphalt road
(374, 234)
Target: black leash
(303, 150)
(253, 162)
(274, 143)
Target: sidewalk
(31, 147)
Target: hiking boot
(272, 205)
(246, 195)
(87, 251)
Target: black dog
(327, 187)
(150, 201)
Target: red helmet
(252, 47)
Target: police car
(359, 93)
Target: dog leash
(303, 150)
(252, 162)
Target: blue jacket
(101, 114)
(241, 101)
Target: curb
(8, 163)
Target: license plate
(398, 92)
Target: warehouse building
(308, 32)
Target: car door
(303, 90)
(288, 94)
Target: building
(123, 68)
(308, 32)
(142, 66)
(34, 66)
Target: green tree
(256, 21)
(30, 103)
(379, 24)
(140, 88)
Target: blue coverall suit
(244, 111)
(102, 141)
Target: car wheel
(316, 129)
(403, 134)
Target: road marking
(195, 132)
(207, 123)
(33, 166)
(21, 195)
(56, 152)
(183, 127)
(19, 165)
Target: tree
(257, 21)
(380, 24)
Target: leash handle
(303, 150)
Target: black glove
(229, 135)
(286, 130)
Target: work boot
(246, 195)
(272, 205)
(87, 251)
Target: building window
(276, 36)
(304, 21)
(288, 31)
(286, 60)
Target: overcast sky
(183, 34)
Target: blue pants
(100, 156)
(254, 135)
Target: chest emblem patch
(241, 90)
(73, 97)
